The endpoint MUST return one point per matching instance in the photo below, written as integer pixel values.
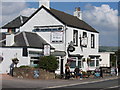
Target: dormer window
(75, 37)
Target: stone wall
(30, 73)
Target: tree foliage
(48, 63)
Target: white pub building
(70, 38)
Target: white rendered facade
(45, 19)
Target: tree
(48, 63)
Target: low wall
(32, 73)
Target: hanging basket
(15, 60)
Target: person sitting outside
(81, 74)
(76, 71)
(67, 72)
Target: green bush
(48, 63)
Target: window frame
(75, 37)
(92, 41)
(83, 37)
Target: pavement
(12, 82)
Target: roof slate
(33, 39)
(16, 23)
(72, 21)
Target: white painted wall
(105, 56)
(86, 50)
(10, 53)
(42, 18)
(3, 30)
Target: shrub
(48, 63)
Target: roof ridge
(25, 38)
(65, 13)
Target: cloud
(105, 20)
(10, 10)
(27, 11)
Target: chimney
(78, 13)
(45, 3)
(9, 39)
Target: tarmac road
(25, 84)
(102, 85)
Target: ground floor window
(72, 64)
(34, 63)
(80, 64)
(75, 61)
(97, 62)
(92, 63)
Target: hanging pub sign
(46, 50)
(71, 48)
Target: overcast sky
(101, 16)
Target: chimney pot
(78, 13)
(77, 8)
(45, 3)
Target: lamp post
(116, 65)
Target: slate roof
(71, 20)
(28, 39)
(16, 23)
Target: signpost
(46, 50)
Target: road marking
(111, 87)
(80, 83)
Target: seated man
(76, 71)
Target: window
(97, 62)
(92, 41)
(25, 52)
(75, 37)
(79, 64)
(72, 64)
(92, 63)
(11, 30)
(84, 39)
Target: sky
(103, 16)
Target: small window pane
(92, 63)
(79, 64)
(72, 64)
(97, 62)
